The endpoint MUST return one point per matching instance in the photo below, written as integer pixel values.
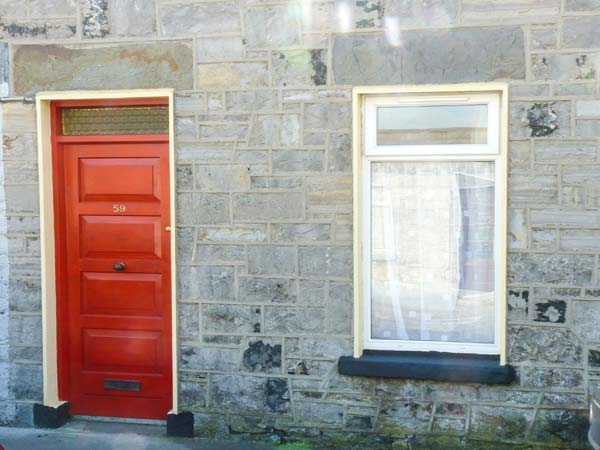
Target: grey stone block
(299, 67)
(300, 232)
(53, 67)
(189, 320)
(185, 18)
(25, 330)
(202, 209)
(234, 319)
(573, 428)
(24, 295)
(564, 150)
(267, 290)
(550, 268)
(272, 26)
(440, 56)
(422, 13)
(582, 5)
(26, 382)
(585, 324)
(501, 422)
(272, 260)
(333, 116)
(222, 177)
(220, 253)
(192, 394)
(238, 234)
(233, 75)
(205, 282)
(341, 308)
(290, 320)
(581, 32)
(204, 358)
(534, 377)
(247, 393)
(298, 161)
(325, 261)
(267, 206)
(545, 345)
(563, 66)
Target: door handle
(120, 266)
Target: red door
(117, 279)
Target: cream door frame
(358, 95)
(48, 269)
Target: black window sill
(428, 366)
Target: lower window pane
(432, 251)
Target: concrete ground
(95, 435)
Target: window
(431, 187)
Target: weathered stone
(26, 382)
(518, 10)
(563, 66)
(205, 282)
(231, 75)
(237, 234)
(318, 412)
(25, 330)
(220, 253)
(307, 347)
(454, 55)
(517, 229)
(325, 261)
(267, 290)
(289, 320)
(185, 18)
(222, 177)
(276, 130)
(539, 119)
(267, 206)
(18, 146)
(552, 378)
(333, 116)
(52, 67)
(301, 232)
(24, 295)
(192, 394)
(285, 161)
(405, 415)
(189, 320)
(528, 190)
(584, 323)
(562, 150)
(246, 393)
(580, 240)
(233, 319)
(543, 344)
(204, 358)
(273, 26)
(546, 217)
(299, 67)
(261, 357)
(558, 426)
(341, 308)
(327, 194)
(500, 422)
(582, 5)
(118, 18)
(550, 311)
(543, 38)
(276, 182)
(202, 209)
(46, 29)
(518, 304)
(271, 260)
(339, 156)
(581, 32)
(219, 48)
(422, 13)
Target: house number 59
(119, 208)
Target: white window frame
(366, 151)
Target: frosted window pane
(431, 125)
(127, 120)
(432, 251)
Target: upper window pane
(432, 251)
(432, 125)
(126, 120)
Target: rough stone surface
(39, 67)
(264, 198)
(425, 57)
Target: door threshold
(120, 420)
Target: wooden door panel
(109, 179)
(120, 236)
(129, 351)
(131, 294)
(119, 321)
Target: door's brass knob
(120, 266)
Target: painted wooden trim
(48, 266)
(358, 95)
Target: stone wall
(264, 197)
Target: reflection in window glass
(432, 125)
(432, 251)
